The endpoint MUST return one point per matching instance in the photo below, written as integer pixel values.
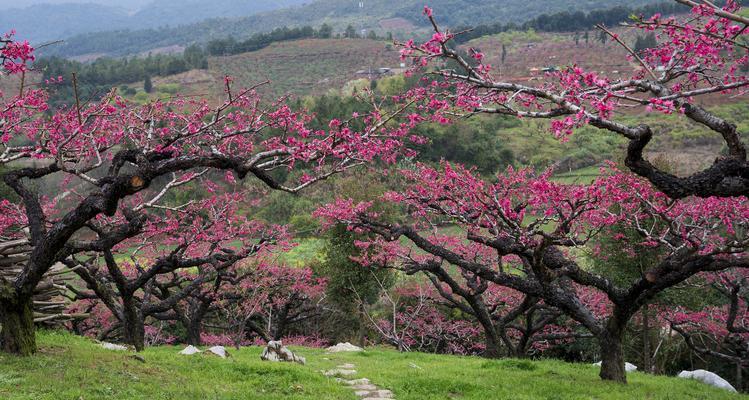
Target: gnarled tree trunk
(612, 351)
(492, 345)
(18, 332)
(133, 325)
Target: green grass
(69, 367)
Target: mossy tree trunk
(18, 332)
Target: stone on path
(219, 351)
(708, 378)
(343, 347)
(374, 393)
(190, 350)
(340, 372)
(354, 382)
(368, 387)
(363, 388)
(275, 351)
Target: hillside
(71, 367)
(398, 17)
(307, 67)
(300, 68)
(528, 53)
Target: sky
(127, 4)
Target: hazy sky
(128, 4)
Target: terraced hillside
(307, 67)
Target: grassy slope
(69, 367)
(305, 67)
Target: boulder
(275, 351)
(190, 350)
(707, 378)
(219, 351)
(627, 366)
(343, 347)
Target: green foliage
(325, 31)
(351, 286)
(571, 20)
(97, 78)
(63, 370)
(350, 32)
(147, 84)
(169, 88)
(348, 281)
(229, 46)
(356, 86)
(279, 207)
(477, 142)
(514, 36)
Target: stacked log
(50, 300)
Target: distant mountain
(398, 16)
(131, 5)
(44, 22)
(59, 20)
(180, 12)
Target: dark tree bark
(191, 317)
(612, 351)
(133, 324)
(193, 332)
(492, 344)
(647, 358)
(17, 318)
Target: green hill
(70, 367)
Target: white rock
(707, 378)
(190, 350)
(275, 351)
(219, 351)
(343, 347)
(112, 346)
(627, 366)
